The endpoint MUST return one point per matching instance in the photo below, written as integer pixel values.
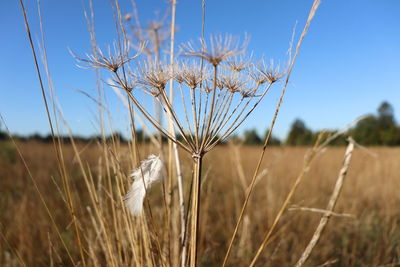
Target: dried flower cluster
(215, 97)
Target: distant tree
(273, 140)
(250, 137)
(49, 138)
(378, 130)
(35, 137)
(386, 114)
(388, 131)
(299, 134)
(117, 136)
(366, 131)
(3, 135)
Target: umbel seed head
(219, 49)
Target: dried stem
(307, 163)
(61, 166)
(195, 209)
(252, 183)
(331, 205)
(174, 147)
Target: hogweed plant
(215, 99)
(218, 88)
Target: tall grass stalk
(61, 166)
(331, 205)
(268, 136)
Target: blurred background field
(370, 237)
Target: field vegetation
(367, 232)
(184, 190)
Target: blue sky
(348, 63)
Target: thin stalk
(21, 261)
(221, 109)
(331, 205)
(251, 187)
(226, 119)
(211, 112)
(236, 124)
(156, 105)
(155, 123)
(172, 147)
(203, 126)
(309, 159)
(195, 209)
(175, 146)
(58, 152)
(195, 124)
(185, 111)
(173, 115)
(171, 110)
(203, 19)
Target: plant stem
(195, 209)
(331, 204)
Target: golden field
(369, 237)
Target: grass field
(72, 202)
(368, 236)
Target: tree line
(380, 129)
(374, 130)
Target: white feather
(152, 170)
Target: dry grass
(65, 205)
(370, 193)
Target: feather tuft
(152, 170)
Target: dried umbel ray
(218, 91)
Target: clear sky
(348, 63)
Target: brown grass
(370, 193)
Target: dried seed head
(232, 84)
(112, 62)
(257, 77)
(153, 76)
(219, 49)
(220, 83)
(248, 92)
(237, 64)
(269, 73)
(193, 75)
(179, 73)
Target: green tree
(273, 140)
(3, 135)
(299, 134)
(388, 131)
(251, 137)
(378, 130)
(386, 114)
(366, 131)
